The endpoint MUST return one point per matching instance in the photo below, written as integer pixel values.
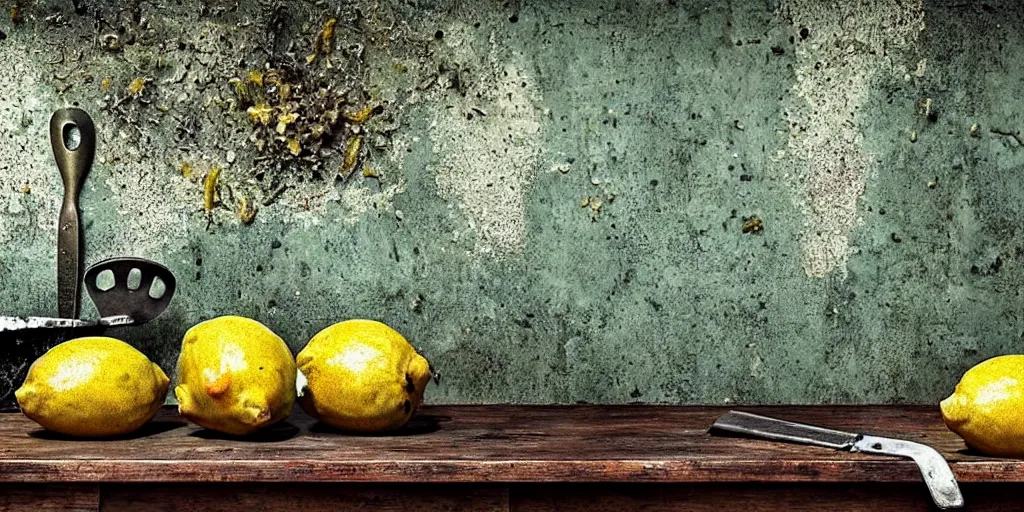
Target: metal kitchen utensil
(126, 298)
(73, 138)
(938, 477)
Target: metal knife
(73, 139)
(14, 323)
(938, 477)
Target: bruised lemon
(234, 376)
(92, 387)
(987, 408)
(361, 375)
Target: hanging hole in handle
(134, 279)
(72, 136)
(157, 289)
(105, 280)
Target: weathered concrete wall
(562, 186)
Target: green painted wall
(562, 186)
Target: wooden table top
(496, 443)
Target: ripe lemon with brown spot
(234, 376)
(361, 376)
(987, 408)
(93, 387)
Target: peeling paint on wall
(487, 144)
(841, 48)
(360, 200)
(152, 204)
(28, 203)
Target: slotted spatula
(141, 302)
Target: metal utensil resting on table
(938, 477)
(119, 299)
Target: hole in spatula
(105, 280)
(134, 279)
(157, 289)
(72, 137)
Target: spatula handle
(69, 266)
(73, 139)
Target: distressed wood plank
(791, 497)
(501, 443)
(49, 498)
(304, 498)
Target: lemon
(361, 375)
(234, 376)
(92, 387)
(987, 408)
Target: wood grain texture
(497, 444)
(303, 498)
(790, 497)
(49, 498)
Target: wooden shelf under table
(495, 457)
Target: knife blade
(935, 471)
(14, 323)
(73, 139)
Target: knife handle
(935, 471)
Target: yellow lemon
(92, 387)
(234, 376)
(361, 375)
(987, 408)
